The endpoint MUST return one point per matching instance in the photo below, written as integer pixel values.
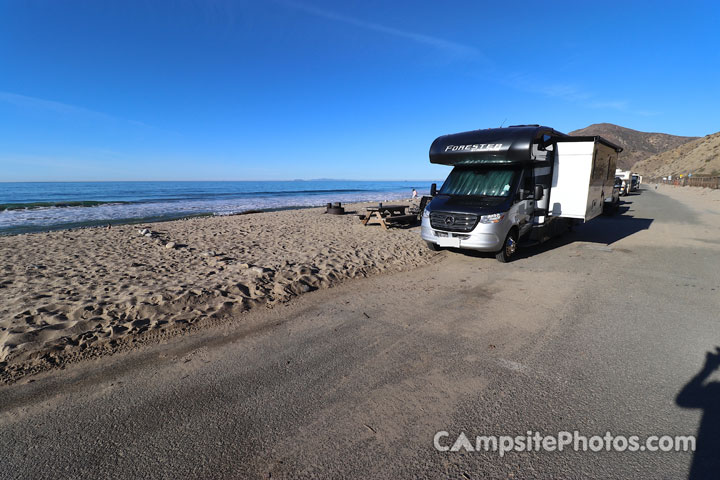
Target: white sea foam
(54, 217)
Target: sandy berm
(72, 294)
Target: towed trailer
(521, 183)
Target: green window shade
(492, 183)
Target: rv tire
(507, 252)
(433, 246)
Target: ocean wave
(42, 218)
(68, 204)
(186, 197)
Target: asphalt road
(596, 331)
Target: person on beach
(414, 194)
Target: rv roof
(488, 146)
(498, 145)
(593, 138)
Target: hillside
(636, 145)
(699, 157)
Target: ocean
(32, 207)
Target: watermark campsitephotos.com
(537, 442)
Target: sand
(71, 294)
(695, 196)
(75, 294)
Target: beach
(596, 331)
(74, 294)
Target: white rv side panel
(571, 195)
(624, 174)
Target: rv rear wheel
(433, 246)
(507, 253)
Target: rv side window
(527, 185)
(542, 148)
(544, 142)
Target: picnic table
(384, 214)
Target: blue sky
(263, 90)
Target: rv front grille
(453, 222)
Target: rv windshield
(495, 182)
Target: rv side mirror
(433, 189)
(538, 192)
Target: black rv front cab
(496, 192)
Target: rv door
(544, 155)
(525, 201)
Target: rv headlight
(494, 218)
(426, 213)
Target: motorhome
(626, 177)
(519, 183)
(636, 180)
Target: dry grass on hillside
(699, 157)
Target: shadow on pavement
(608, 229)
(604, 230)
(706, 396)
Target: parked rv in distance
(626, 177)
(524, 182)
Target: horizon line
(221, 181)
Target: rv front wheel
(433, 246)
(507, 253)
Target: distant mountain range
(637, 146)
